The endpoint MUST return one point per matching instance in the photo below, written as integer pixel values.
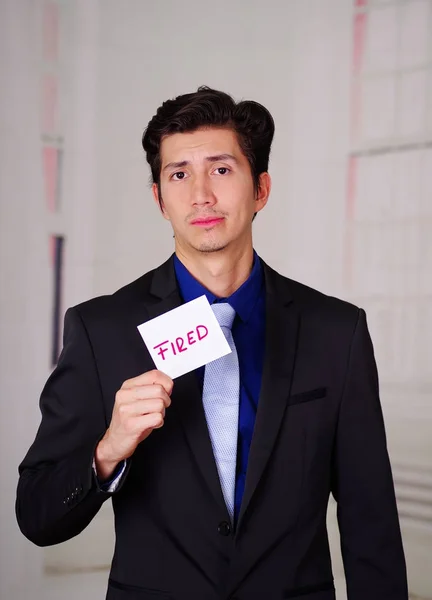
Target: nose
(202, 193)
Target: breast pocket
(308, 396)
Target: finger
(149, 422)
(135, 425)
(143, 392)
(151, 391)
(145, 407)
(148, 378)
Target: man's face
(207, 190)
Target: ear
(263, 191)
(158, 199)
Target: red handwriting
(181, 344)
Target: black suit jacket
(319, 429)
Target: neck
(222, 273)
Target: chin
(209, 245)
(205, 249)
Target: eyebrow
(210, 159)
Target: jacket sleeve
(58, 493)
(363, 487)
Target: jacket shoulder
(126, 297)
(315, 299)
(314, 303)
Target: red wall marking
(50, 170)
(359, 36)
(50, 31)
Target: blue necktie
(221, 392)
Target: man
(219, 480)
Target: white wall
(120, 61)
(26, 224)
(24, 324)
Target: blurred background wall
(349, 84)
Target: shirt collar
(242, 300)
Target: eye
(222, 170)
(178, 176)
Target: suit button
(224, 528)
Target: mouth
(207, 221)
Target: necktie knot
(224, 313)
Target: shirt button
(224, 528)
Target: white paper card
(184, 338)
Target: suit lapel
(282, 326)
(186, 396)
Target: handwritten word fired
(181, 344)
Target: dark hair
(206, 107)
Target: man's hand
(139, 408)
